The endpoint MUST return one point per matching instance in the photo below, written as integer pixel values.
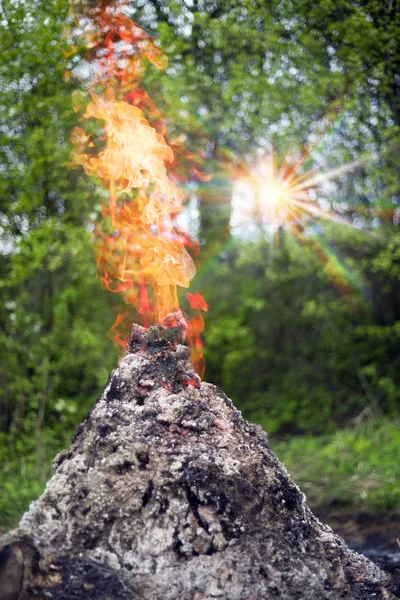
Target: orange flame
(140, 252)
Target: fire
(140, 252)
(195, 327)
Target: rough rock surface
(167, 493)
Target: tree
(298, 77)
(54, 356)
(306, 336)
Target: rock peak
(166, 492)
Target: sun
(269, 194)
(283, 194)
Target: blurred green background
(303, 331)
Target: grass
(357, 467)
(25, 467)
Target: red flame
(195, 327)
(197, 301)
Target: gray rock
(167, 493)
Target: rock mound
(167, 493)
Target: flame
(195, 327)
(140, 252)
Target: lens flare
(140, 251)
(279, 196)
(282, 193)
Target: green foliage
(306, 335)
(25, 467)
(248, 76)
(357, 466)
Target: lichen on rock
(166, 492)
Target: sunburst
(282, 195)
